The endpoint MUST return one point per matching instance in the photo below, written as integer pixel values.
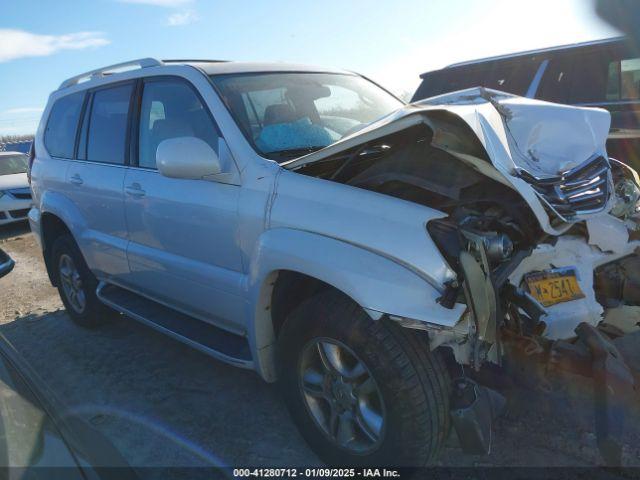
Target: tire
(413, 385)
(90, 312)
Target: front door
(183, 249)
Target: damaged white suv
(306, 224)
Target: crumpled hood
(540, 137)
(548, 138)
(519, 134)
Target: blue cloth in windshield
(298, 134)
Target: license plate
(554, 286)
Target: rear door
(183, 248)
(96, 178)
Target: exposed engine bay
(545, 243)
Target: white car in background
(15, 195)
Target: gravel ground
(164, 404)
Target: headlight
(627, 196)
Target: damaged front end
(540, 226)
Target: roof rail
(538, 51)
(191, 60)
(101, 72)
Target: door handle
(135, 190)
(76, 179)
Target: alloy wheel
(72, 283)
(342, 396)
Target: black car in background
(603, 73)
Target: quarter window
(107, 125)
(60, 134)
(605, 77)
(171, 109)
(623, 82)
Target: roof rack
(101, 72)
(192, 60)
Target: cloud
(20, 120)
(22, 110)
(160, 3)
(20, 43)
(179, 19)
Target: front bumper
(13, 209)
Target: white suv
(306, 224)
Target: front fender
(378, 284)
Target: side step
(203, 336)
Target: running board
(207, 338)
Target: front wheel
(362, 392)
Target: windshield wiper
(295, 152)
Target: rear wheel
(362, 392)
(76, 284)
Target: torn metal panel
(608, 233)
(575, 252)
(626, 318)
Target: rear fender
(62, 207)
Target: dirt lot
(164, 404)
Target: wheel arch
(59, 215)
(52, 226)
(289, 266)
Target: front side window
(107, 124)
(170, 109)
(12, 164)
(284, 115)
(60, 134)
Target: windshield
(285, 115)
(11, 164)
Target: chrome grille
(583, 189)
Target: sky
(43, 42)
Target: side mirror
(187, 157)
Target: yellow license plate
(554, 286)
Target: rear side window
(170, 109)
(461, 78)
(60, 134)
(430, 87)
(108, 124)
(512, 76)
(589, 82)
(554, 86)
(452, 80)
